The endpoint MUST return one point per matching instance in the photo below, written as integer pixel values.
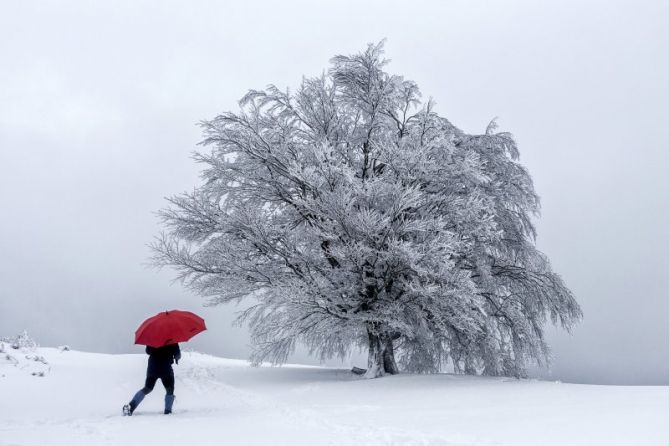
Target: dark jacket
(161, 359)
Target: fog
(98, 110)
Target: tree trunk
(470, 368)
(389, 363)
(375, 366)
(381, 355)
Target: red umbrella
(169, 327)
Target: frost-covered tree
(351, 214)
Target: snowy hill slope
(222, 401)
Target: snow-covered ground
(226, 402)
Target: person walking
(161, 334)
(159, 367)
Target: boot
(129, 408)
(169, 400)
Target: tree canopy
(351, 214)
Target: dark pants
(168, 383)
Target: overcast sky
(98, 110)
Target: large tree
(351, 214)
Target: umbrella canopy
(169, 327)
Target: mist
(99, 105)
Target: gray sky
(98, 105)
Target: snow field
(224, 401)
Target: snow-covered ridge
(225, 401)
